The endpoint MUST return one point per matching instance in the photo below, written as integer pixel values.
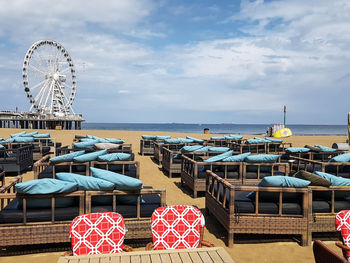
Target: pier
(30, 120)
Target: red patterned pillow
(97, 233)
(176, 227)
(342, 223)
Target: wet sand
(271, 250)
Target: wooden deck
(207, 255)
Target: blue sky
(199, 61)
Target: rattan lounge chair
(323, 254)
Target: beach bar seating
(158, 149)
(46, 169)
(39, 149)
(23, 224)
(193, 172)
(285, 214)
(16, 160)
(147, 143)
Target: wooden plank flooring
(200, 255)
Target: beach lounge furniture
(158, 149)
(98, 233)
(21, 224)
(39, 150)
(46, 169)
(285, 213)
(177, 227)
(323, 254)
(16, 160)
(147, 143)
(193, 172)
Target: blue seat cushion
(236, 158)
(194, 139)
(30, 134)
(219, 157)
(162, 138)
(262, 158)
(42, 135)
(297, 150)
(23, 139)
(325, 148)
(45, 186)
(18, 134)
(87, 144)
(66, 157)
(87, 157)
(114, 157)
(342, 158)
(114, 140)
(219, 149)
(86, 182)
(149, 137)
(121, 182)
(191, 148)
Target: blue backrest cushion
(342, 158)
(262, 158)
(45, 186)
(31, 134)
(121, 182)
(87, 157)
(237, 158)
(218, 138)
(278, 181)
(218, 149)
(325, 148)
(86, 145)
(18, 134)
(274, 140)
(335, 180)
(84, 182)
(235, 137)
(42, 135)
(114, 157)
(114, 140)
(194, 139)
(162, 138)
(66, 157)
(219, 157)
(297, 150)
(23, 139)
(191, 148)
(10, 140)
(149, 137)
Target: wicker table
(207, 255)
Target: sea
(224, 128)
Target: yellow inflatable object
(285, 132)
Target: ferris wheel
(49, 78)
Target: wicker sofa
(238, 214)
(46, 169)
(39, 149)
(158, 149)
(193, 172)
(22, 225)
(16, 160)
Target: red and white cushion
(176, 227)
(97, 233)
(342, 223)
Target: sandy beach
(151, 175)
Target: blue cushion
(66, 157)
(45, 186)
(10, 140)
(113, 140)
(92, 137)
(262, 158)
(256, 140)
(234, 137)
(30, 134)
(86, 139)
(219, 157)
(325, 148)
(219, 149)
(342, 158)
(194, 139)
(18, 134)
(2, 147)
(274, 140)
(87, 157)
(114, 157)
(178, 140)
(42, 135)
(297, 150)
(86, 182)
(121, 182)
(86, 145)
(162, 137)
(203, 149)
(191, 148)
(218, 138)
(23, 139)
(149, 137)
(236, 158)
(283, 181)
(335, 180)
